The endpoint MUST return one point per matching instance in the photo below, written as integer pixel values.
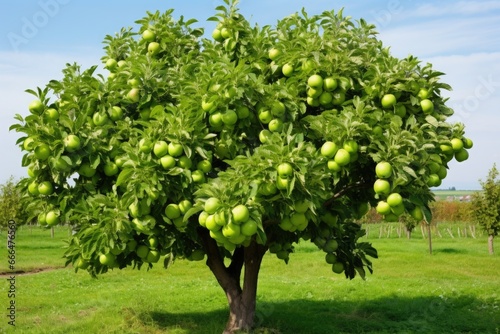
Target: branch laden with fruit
(230, 147)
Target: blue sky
(460, 38)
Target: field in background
(448, 194)
(453, 291)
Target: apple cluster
(229, 227)
(175, 213)
(326, 92)
(339, 156)
(326, 240)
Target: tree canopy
(230, 146)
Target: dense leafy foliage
(264, 135)
(486, 205)
(10, 204)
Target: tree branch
(363, 183)
(215, 261)
(342, 191)
(237, 262)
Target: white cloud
(461, 8)
(451, 35)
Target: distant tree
(487, 206)
(409, 223)
(10, 203)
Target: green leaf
(124, 176)
(432, 120)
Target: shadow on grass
(455, 314)
(449, 251)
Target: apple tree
(486, 205)
(10, 204)
(230, 147)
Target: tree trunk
(408, 232)
(242, 301)
(490, 244)
(430, 239)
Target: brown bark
(242, 301)
(490, 244)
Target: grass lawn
(456, 290)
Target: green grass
(35, 249)
(453, 291)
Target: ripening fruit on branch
(175, 149)
(42, 152)
(382, 187)
(315, 81)
(29, 144)
(313, 102)
(285, 170)
(52, 114)
(249, 228)
(314, 92)
(330, 258)
(338, 267)
(383, 170)
(433, 180)
(153, 48)
(225, 33)
(457, 144)
(398, 210)
(33, 188)
(216, 35)
(110, 169)
(148, 35)
(417, 213)
(172, 211)
(275, 125)
(383, 208)
(388, 101)
(394, 200)
(467, 143)
(424, 93)
(52, 218)
(212, 205)
(461, 155)
(391, 218)
(133, 95)
(351, 146)
(111, 64)
(36, 107)
(330, 84)
(274, 53)
(72, 143)
(160, 148)
(107, 259)
(45, 188)
(287, 70)
(427, 106)
(167, 161)
(325, 99)
(240, 214)
(342, 157)
(334, 166)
